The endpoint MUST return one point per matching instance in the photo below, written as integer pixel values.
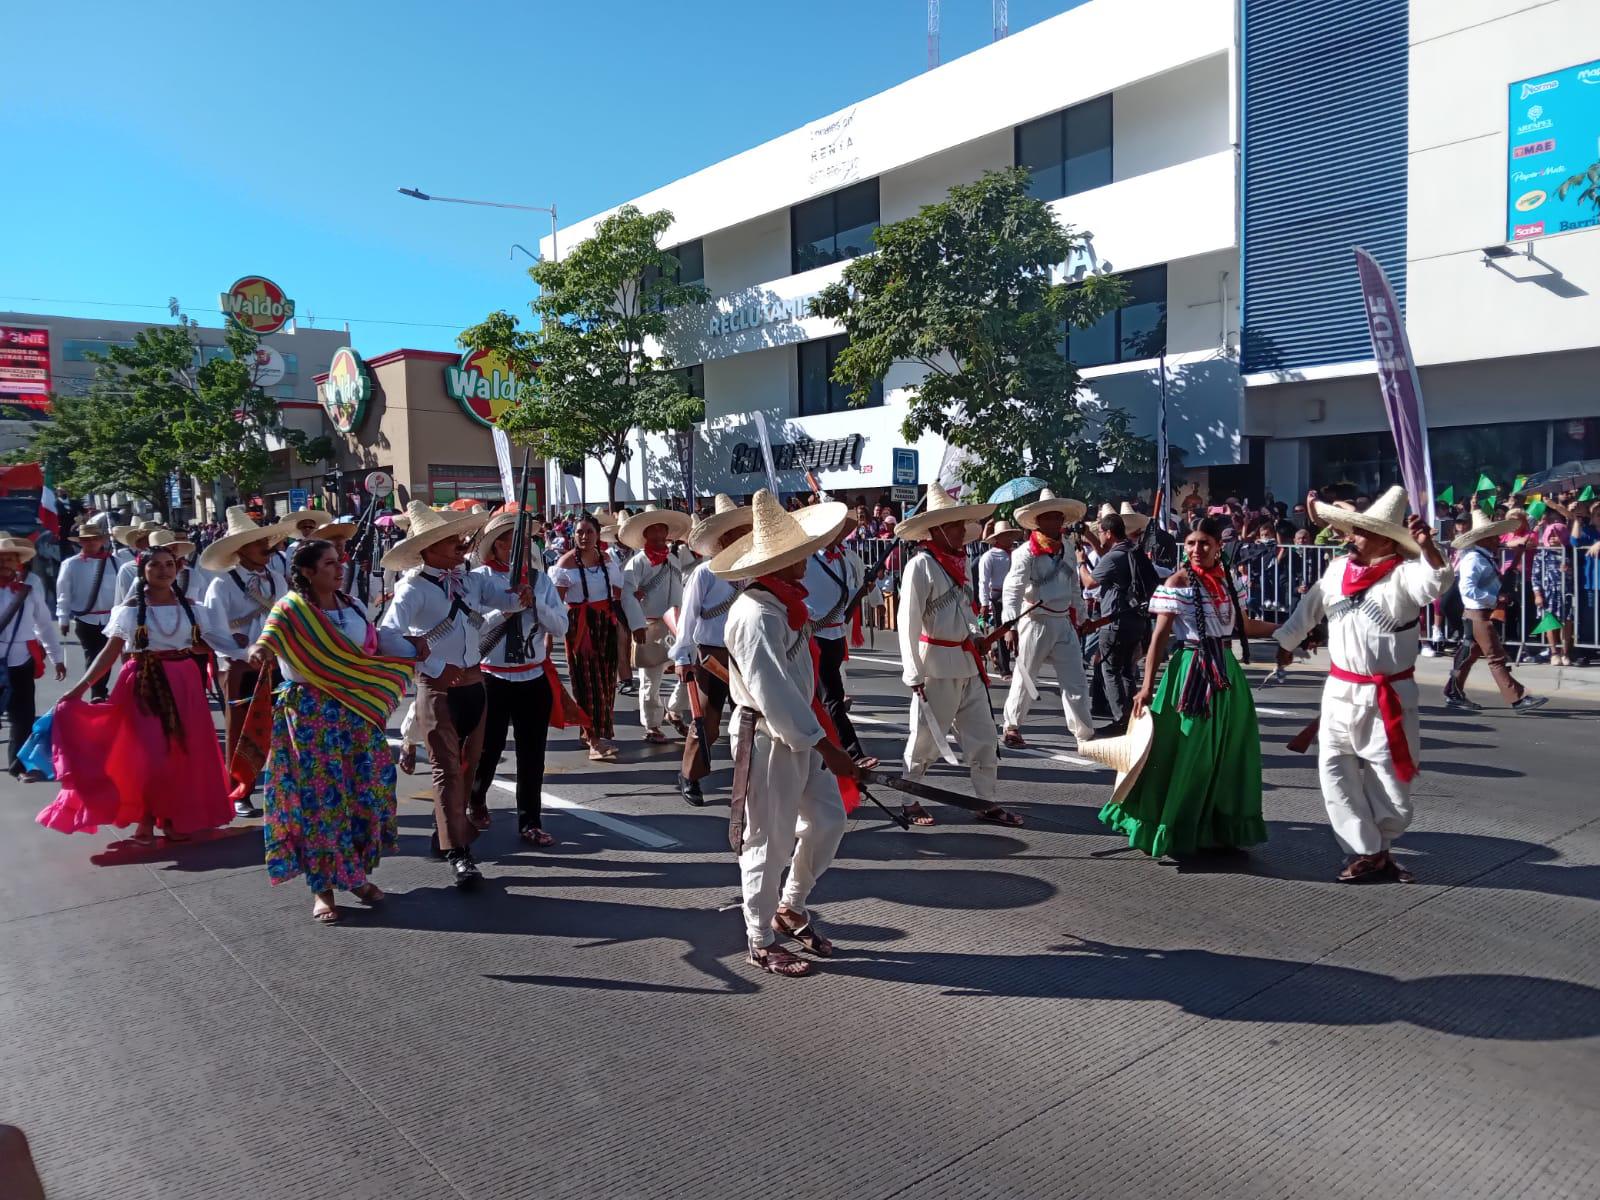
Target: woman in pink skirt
(147, 755)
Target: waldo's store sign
(346, 390)
(483, 385)
(257, 304)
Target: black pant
(831, 684)
(93, 640)
(523, 707)
(19, 711)
(1002, 651)
(1121, 643)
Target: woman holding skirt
(591, 587)
(1200, 789)
(330, 798)
(148, 755)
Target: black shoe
(243, 808)
(689, 789)
(1530, 702)
(630, 688)
(466, 871)
(1457, 699)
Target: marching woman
(330, 798)
(521, 694)
(149, 756)
(1200, 788)
(590, 585)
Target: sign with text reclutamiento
(1553, 154)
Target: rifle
(510, 628)
(697, 714)
(358, 571)
(870, 581)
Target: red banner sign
(25, 367)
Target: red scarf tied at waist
(793, 596)
(1392, 712)
(1359, 577)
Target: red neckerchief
(793, 596)
(1213, 579)
(833, 554)
(14, 583)
(494, 564)
(1039, 543)
(656, 557)
(96, 557)
(1358, 578)
(954, 564)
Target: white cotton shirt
(168, 628)
(992, 568)
(1365, 641)
(1040, 577)
(932, 603)
(548, 615)
(655, 589)
(243, 611)
(570, 582)
(696, 629)
(421, 603)
(76, 596)
(829, 586)
(1180, 603)
(32, 621)
(771, 669)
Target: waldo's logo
(483, 385)
(345, 391)
(257, 304)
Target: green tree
(964, 289)
(158, 408)
(592, 370)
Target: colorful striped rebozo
(368, 685)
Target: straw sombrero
(337, 529)
(1048, 502)
(1386, 518)
(223, 554)
(126, 533)
(165, 539)
(18, 546)
(426, 527)
(777, 538)
(728, 518)
(1125, 755)
(501, 522)
(1483, 528)
(90, 528)
(942, 509)
(1132, 521)
(631, 532)
(1001, 528)
(320, 517)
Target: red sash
(1392, 712)
(966, 644)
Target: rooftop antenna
(933, 34)
(1002, 23)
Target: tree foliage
(592, 367)
(965, 289)
(158, 408)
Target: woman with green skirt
(1200, 789)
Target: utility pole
(933, 34)
(1002, 23)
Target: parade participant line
(643, 835)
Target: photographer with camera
(1126, 579)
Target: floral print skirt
(330, 799)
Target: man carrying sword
(942, 661)
(701, 652)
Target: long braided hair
(1208, 671)
(151, 690)
(304, 560)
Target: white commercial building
(1226, 157)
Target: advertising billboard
(25, 368)
(1553, 154)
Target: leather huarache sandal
(1014, 740)
(916, 814)
(777, 960)
(478, 814)
(1398, 873)
(996, 815)
(1364, 868)
(407, 761)
(803, 929)
(535, 836)
(654, 737)
(368, 893)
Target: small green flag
(1587, 493)
(1487, 504)
(1547, 624)
(1517, 486)
(1448, 496)
(1485, 484)
(1537, 509)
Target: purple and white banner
(1397, 380)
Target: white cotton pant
(1368, 804)
(794, 819)
(652, 709)
(961, 705)
(408, 727)
(1053, 642)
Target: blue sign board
(905, 467)
(298, 499)
(1553, 154)
(174, 493)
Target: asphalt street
(1037, 1012)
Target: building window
(818, 391)
(291, 364)
(1135, 331)
(1365, 463)
(694, 380)
(834, 227)
(1067, 152)
(691, 269)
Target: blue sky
(166, 148)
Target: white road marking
(634, 831)
(1276, 712)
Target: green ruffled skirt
(1201, 786)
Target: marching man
(701, 651)
(833, 576)
(786, 812)
(1373, 599)
(943, 665)
(86, 594)
(1042, 589)
(653, 575)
